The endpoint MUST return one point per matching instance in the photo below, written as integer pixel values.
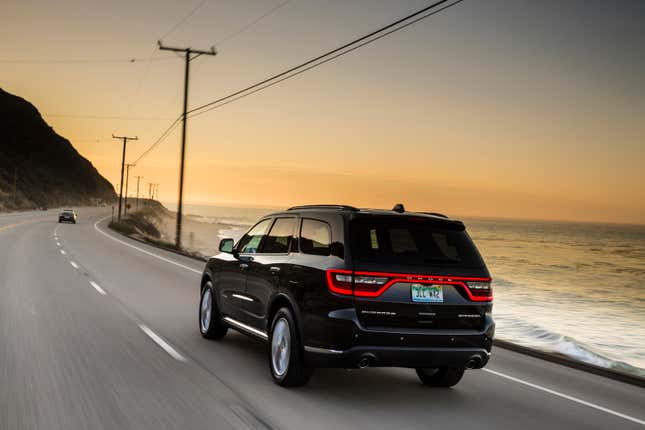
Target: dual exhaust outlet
(367, 360)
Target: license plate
(426, 293)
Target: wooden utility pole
(127, 178)
(138, 179)
(189, 55)
(125, 142)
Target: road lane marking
(58, 243)
(97, 288)
(74, 265)
(15, 224)
(167, 260)
(162, 343)
(568, 397)
(62, 251)
(56, 231)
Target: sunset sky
(500, 108)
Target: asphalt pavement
(98, 331)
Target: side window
(315, 237)
(251, 241)
(280, 237)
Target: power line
(160, 139)
(125, 118)
(230, 36)
(310, 64)
(330, 55)
(252, 23)
(184, 19)
(81, 61)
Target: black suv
(337, 286)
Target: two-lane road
(99, 331)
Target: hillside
(47, 170)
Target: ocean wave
(216, 220)
(534, 336)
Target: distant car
(68, 215)
(337, 286)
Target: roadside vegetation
(143, 224)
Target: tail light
(373, 284)
(480, 291)
(359, 284)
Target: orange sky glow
(473, 112)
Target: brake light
(340, 282)
(348, 283)
(373, 284)
(480, 291)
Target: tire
(286, 353)
(441, 377)
(209, 319)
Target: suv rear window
(413, 241)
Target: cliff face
(48, 171)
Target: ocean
(573, 288)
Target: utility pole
(189, 55)
(138, 179)
(150, 190)
(127, 177)
(125, 141)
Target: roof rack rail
(435, 214)
(345, 207)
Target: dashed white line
(162, 343)
(568, 397)
(58, 243)
(143, 250)
(62, 251)
(74, 265)
(97, 288)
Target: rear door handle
(244, 266)
(274, 269)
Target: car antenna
(399, 208)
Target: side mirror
(226, 245)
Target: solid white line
(63, 252)
(97, 288)
(568, 397)
(162, 343)
(143, 250)
(74, 265)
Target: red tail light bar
(373, 284)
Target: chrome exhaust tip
(474, 362)
(363, 363)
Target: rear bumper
(362, 356)
(338, 339)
